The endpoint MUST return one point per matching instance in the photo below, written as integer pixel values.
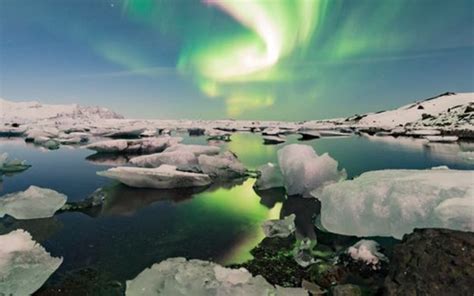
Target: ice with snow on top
(163, 177)
(367, 251)
(273, 140)
(195, 149)
(24, 264)
(395, 202)
(222, 166)
(413, 112)
(176, 158)
(279, 227)
(33, 203)
(141, 146)
(181, 277)
(304, 171)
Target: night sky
(243, 59)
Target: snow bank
(164, 177)
(179, 277)
(24, 264)
(304, 171)
(33, 203)
(394, 202)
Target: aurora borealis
(260, 59)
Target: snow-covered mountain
(428, 108)
(34, 111)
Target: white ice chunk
(144, 146)
(304, 171)
(222, 166)
(279, 228)
(368, 252)
(24, 264)
(33, 203)
(176, 158)
(394, 202)
(179, 277)
(270, 177)
(11, 165)
(164, 177)
(195, 149)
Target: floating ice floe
(195, 149)
(309, 135)
(163, 177)
(442, 139)
(12, 166)
(304, 171)
(33, 203)
(394, 202)
(423, 132)
(273, 140)
(179, 277)
(24, 264)
(12, 131)
(367, 251)
(46, 143)
(279, 228)
(222, 166)
(333, 133)
(176, 158)
(270, 177)
(141, 146)
(129, 132)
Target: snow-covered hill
(34, 111)
(417, 111)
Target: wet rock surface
(432, 262)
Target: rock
(141, 146)
(164, 177)
(346, 290)
(24, 264)
(432, 262)
(270, 177)
(279, 228)
(303, 253)
(33, 203)
(273, 140)
(222, 166)
(304, 171)
(46, 143)
(176, 158)
(181, 277)
(394, 202)
(313, 288)
(12, 166)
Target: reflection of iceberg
(24, 264)
(394, 202)
(108, 159)
(177, 276)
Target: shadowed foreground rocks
(432, 262)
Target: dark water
(138, 227)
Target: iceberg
(270, 177)
(176, 158)
(163, 177)
(304, 171)
(180, 277)
(33, 203)
(395, 202)
(195, 149)
(280, 228)
(24, 264)
(222, 166)
(141, 146)
(12, 166)
(273, 140)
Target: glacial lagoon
(136, 228)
